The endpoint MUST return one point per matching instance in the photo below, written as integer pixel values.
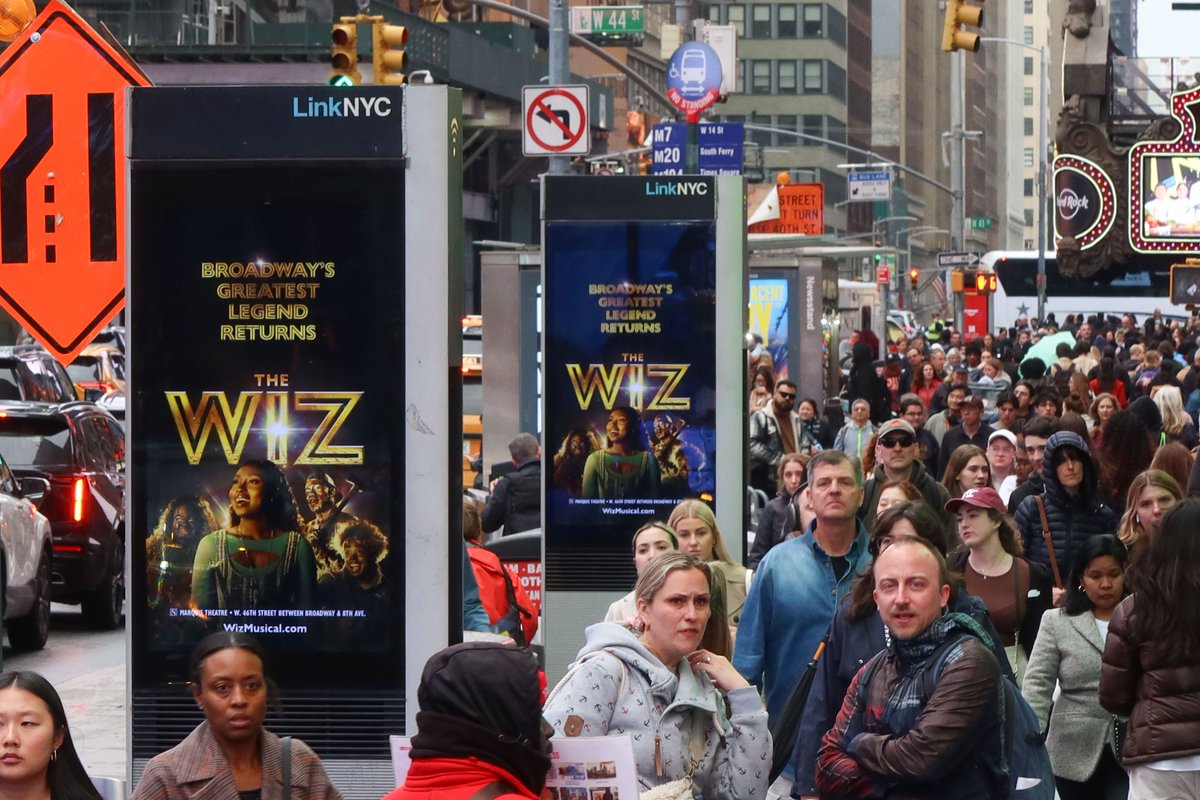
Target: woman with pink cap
(1015, 590)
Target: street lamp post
(1043, 158)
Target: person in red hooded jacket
(480, 732)
(496, 579)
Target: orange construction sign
(62, 179)
(801, 209)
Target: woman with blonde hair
(698, 726)
(966, 469)
(695, 526)
(649, 540)
(1150, 495)
(1175, 422)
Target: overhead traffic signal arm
(959, 13)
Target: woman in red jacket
(480, 727)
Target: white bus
(1134, 289)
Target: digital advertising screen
(267, 447)
(630, 376)
(769, 318)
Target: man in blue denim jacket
(799, 584)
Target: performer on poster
(672, 461)
(330, 520)
(624, 468)
(570, 459)
(359, 585)
(171, 550)
(261, 561)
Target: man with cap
(1002, 462)
(972, 430)
(480, 732)
(896, 451)
(960, 375)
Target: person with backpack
(509, 608)
(933, 715)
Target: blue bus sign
(720, 148)
(694, 78)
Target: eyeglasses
(896, 441)
(788, 395)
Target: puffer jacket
(618, 687)
(1071, 520)
(1161, 698)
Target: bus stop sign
(694, 78)
(62, 179)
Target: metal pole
(1043, 156)
(957, 168)
(560, 65)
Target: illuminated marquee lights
(1184, 144)
(1104, 187)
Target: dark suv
(78, 449)
(27, 372)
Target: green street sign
(607, 20)
(980, 223)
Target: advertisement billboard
(1164, 185)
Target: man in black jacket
(1035, 435)
(972, 430)
(516, 501)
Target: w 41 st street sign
(62, 179)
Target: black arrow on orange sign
(14, 175)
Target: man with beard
(324, 530)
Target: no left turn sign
(555, 121)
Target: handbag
(285, 757)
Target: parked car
(28, 372)
(78, 450)
(98, 370)
(26, 551)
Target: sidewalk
(96, 705)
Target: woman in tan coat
(231, 756)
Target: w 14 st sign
(62, 179)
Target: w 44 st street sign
(607, 20)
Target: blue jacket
(790, 605)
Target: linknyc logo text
(679, 188)
(342, 107)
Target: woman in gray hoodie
(691, 716)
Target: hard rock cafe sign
(1084, 201)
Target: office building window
(1028, 157)
(813, 77)
(785, 21)
(736, 16)
(1028, 65)
(760, 77)
(786, 122)
(762, 138)
(1029, 217)
(837, 27)
(1028, 95)
(1028, 6)
(811, 125)
(813, 21)
(1029, 187)
(741, 76)
(1028, 34)
(1029, 126)
(785, 72)
(837, 81)
(760, 22)
(836, 129)
(713, 14)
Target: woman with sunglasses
(857, 633)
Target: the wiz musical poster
(630, 372)
(267, 344)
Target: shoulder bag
(1058, 584)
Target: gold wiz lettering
(232, 424)
(607, 380)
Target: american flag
(939, 288)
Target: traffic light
(959, 13)
(387, 52)
(956, 281)
(344, 59)
(913, 275)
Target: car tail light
(77, 502)
(68, 548)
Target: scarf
(445, 736)
(911, 653)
